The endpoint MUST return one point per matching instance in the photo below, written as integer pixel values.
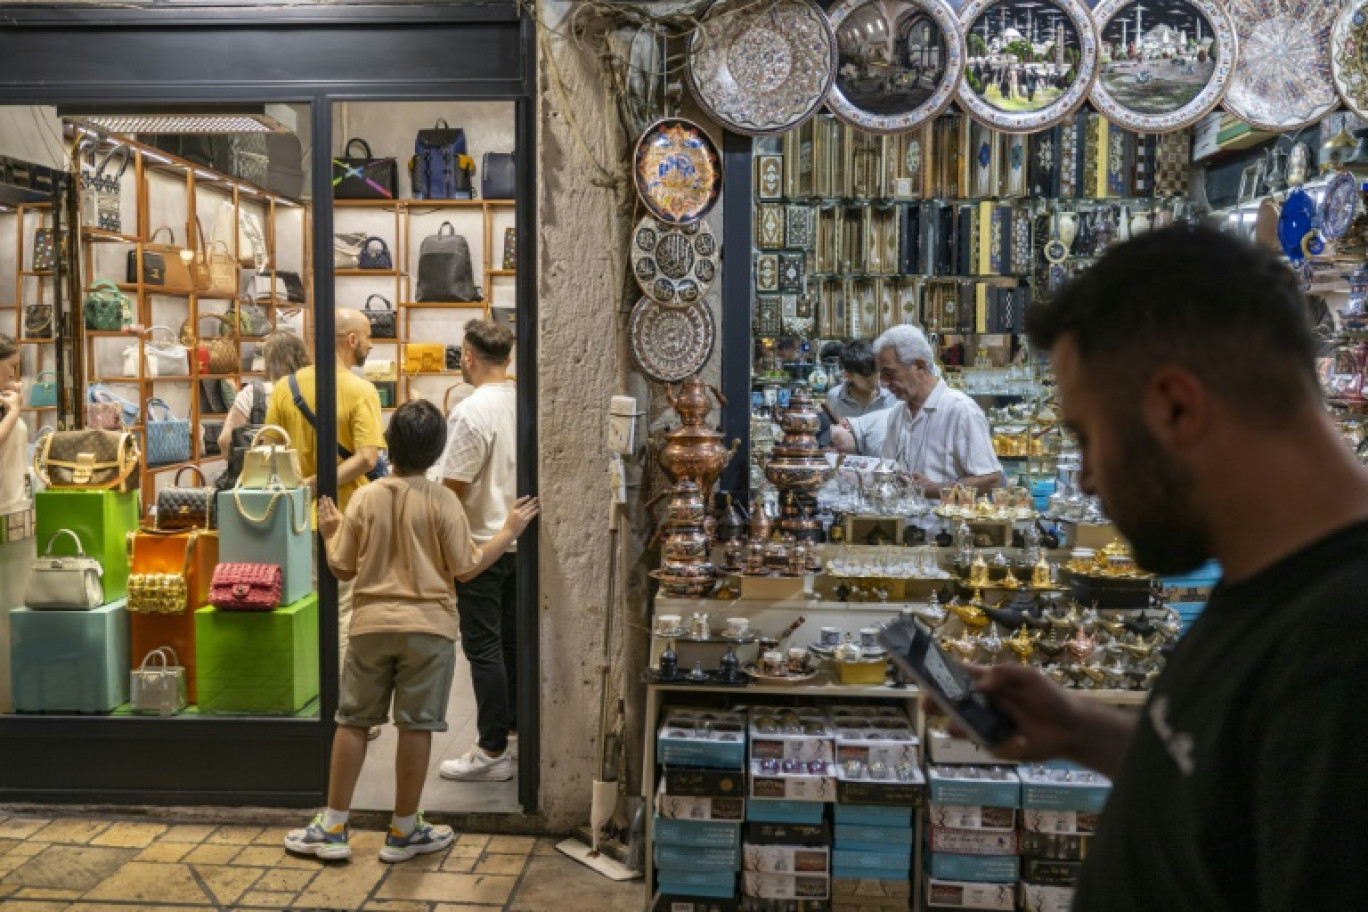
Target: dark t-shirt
(1246, 786)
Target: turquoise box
(273, 527)
(70, 661)
(257, 662)
(974, 868)
(101, 520)
(764, 810)
(684, 858)
(712, 834)
(873, 815)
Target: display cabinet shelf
(100, 236)
(445, 305)
(367, 273)
(43, 273)
(37, 341)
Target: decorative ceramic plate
(677, 170)
(762, 68)
(1029, 64)
(899, 62)
(1348, 66)
(1282, 80)
(1295, 223)
(670, 343)
(1165, 64)
(675, 265)
(1339, 205)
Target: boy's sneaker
(424, 839)
(317, 840)
(478, 766)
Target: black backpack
(242, 438)
(445, 272)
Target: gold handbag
(223, 349)
(267, 465)
(424, 358)
(90, 459)
(381, 371)
(160, 593)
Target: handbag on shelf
(243, 435)
(44, 250)
(38, 321)
(105, 308)
(440, 167)
(153, 270)
(108, 191)
(364, 176)
(380, 370)
(250, 320)
(384, 324)
(347, 248)
(498, 176)
(158, 687)
(166, 359)
(181, 508)
(201, 278)
(210, 445)
(424, 358)
(222, 349)
(90, 459)
(43, 393)
(160, 592)
(246, 587)
(70, 583)
(173, 260)
(211, 398)
(252, 242)
(223, 270)
(375, 254)
(129, 411)
(294, 286)
(103, 411)
(267, 465)
(291, 320)
(453, 357)
(445, 271)
(385, 390)
(168, 437)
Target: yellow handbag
(266, 465)
(381, 371)
(424, 358)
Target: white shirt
(481, 450)
(948, 439)
(844, 405)
(14, 470)
(869, 431)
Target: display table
(101, 520)
(257, 662)
(70, 661)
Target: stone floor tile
(187, 832)
(343, 886)
(457, 864)
(7, 844)
(212, 854)
(560, 884)
(466, 851)
(546, 847)
(71, 832)
(21, 827)
(259, 856)
(139, 881)
(284, 881)
(501, 864)
(459, 907)
(397, 905)
(130, 835)
(271, 836)
(32, 905)
(121, 907)
(69, 867)
(165, 852)
(226, 884)
(473, 839)
(28, 849)
(233, 835)
(46, 893)
(470, 888)
(262, 899)
(425, 863)
(513, 845)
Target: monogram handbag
(375, 254)
(268, 465)
(166, 359)
(38, 321)
(160, 592)
(71, 583)
(90, 459)
(380, 371)
(383, 322)
(44, 250)
(158, 686)
(105, 308)
(246, 587)
(43, 393)
(347, 249)
(424, 358)
(180, 508)
(168, 437)
(364, 176)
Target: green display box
(69, 661)
(101, 519)
(257, 662)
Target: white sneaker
(478, 766)
(513, 745)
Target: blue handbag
(44, 392)
(168, 437)
(373, 258)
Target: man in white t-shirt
(480, 465)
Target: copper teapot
(692, 403)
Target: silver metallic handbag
(158, 686)
(70, 583)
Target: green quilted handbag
(106, 309)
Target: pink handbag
(246, 587)
(105, 413)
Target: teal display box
(261, 533)
(69, 661)
(101, 520)
(257, 662)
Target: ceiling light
(153, 119)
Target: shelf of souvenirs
(1042, 203)
(1314, 185)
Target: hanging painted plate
(674, 264)
(762, 68)
(1029, 63)
(1339, 205)
(1282, 80)
(1348, 66)
(1165, 64)
(1295, 223)
(670, 343)
(899, 62)
(678, 171)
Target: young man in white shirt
(480, 465)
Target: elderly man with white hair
(938, 436)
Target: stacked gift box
(1060, 806)
(972, 860)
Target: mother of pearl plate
(1282, 80)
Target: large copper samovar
(797, 466)
(695, 451)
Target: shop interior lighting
(180, 120)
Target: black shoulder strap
(258, 415)
(309, 415)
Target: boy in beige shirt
(403, 540)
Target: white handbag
(71, 583)
(347, 249)
(252, 241)
(166, 359)
(379, 371)
(290, 319)
(158, 687)
(130, 361)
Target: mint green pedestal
(69, 661)
(257, 662)
(101, 519)
(257, 539)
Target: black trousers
(488, 607)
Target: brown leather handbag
(173, 260)
(90, 459)
(223, 349)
